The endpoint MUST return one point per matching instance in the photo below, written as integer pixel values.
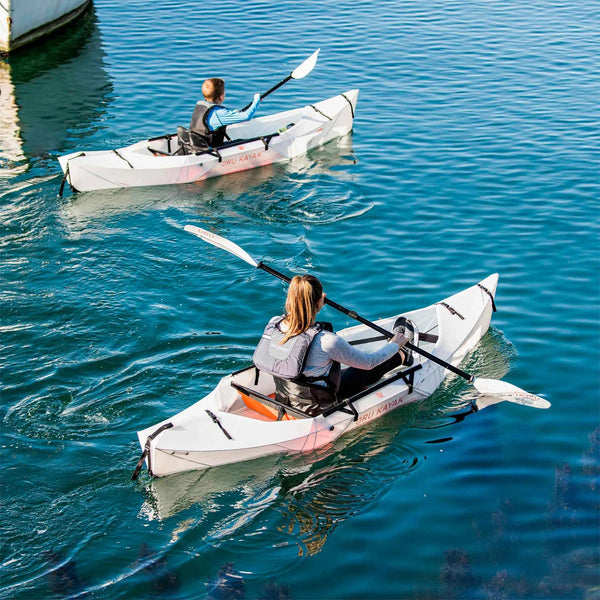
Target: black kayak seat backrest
(198, 141)
(310, 398)
(183, 135)
(191, 141)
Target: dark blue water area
(476, 149)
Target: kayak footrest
(272, 402)
(408, 375)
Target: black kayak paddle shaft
(388, 334)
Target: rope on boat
(489, 294)
(350, 103)
(66, 175)
(146, 452)
(123, 158)
(64, 180)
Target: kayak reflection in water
(305, 356)
(210, 118)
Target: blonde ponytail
(302, 304)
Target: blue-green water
(476, 149)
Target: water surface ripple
(476, 149)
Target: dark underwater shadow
(568, 557)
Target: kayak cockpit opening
(258, 395)
(190, 143)
(256, 404)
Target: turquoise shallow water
(475, 150)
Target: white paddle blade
(509, 392)
(306, 67)
(221, 242)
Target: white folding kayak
(241, 419)
(255, 143)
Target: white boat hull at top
(227, 426)
(258, 142)
(24, 21)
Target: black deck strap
(350, 103)
(66, 175)
(266, 140)
(272, 402)
(428, 337)
(352, 410)
(407, 375)
(123, 158)
(375, 338)
(423, 337)
(146, 452)
(211, 151)
(64, 180)
(321, 112)
(409, 379)
(217, 422)
(452, 311)
(489, 294)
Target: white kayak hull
(221, 429)
(151, 162)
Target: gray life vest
(287, 360)
(199, 124)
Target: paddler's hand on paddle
(400, 339)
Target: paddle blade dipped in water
(508, 392)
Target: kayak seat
(169, 139)
(310, 398)
(278, 410)
(193, 143)
(190, 141)
(263, 409)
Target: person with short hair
(210, 117)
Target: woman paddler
(305, 355)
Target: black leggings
(354, 380)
